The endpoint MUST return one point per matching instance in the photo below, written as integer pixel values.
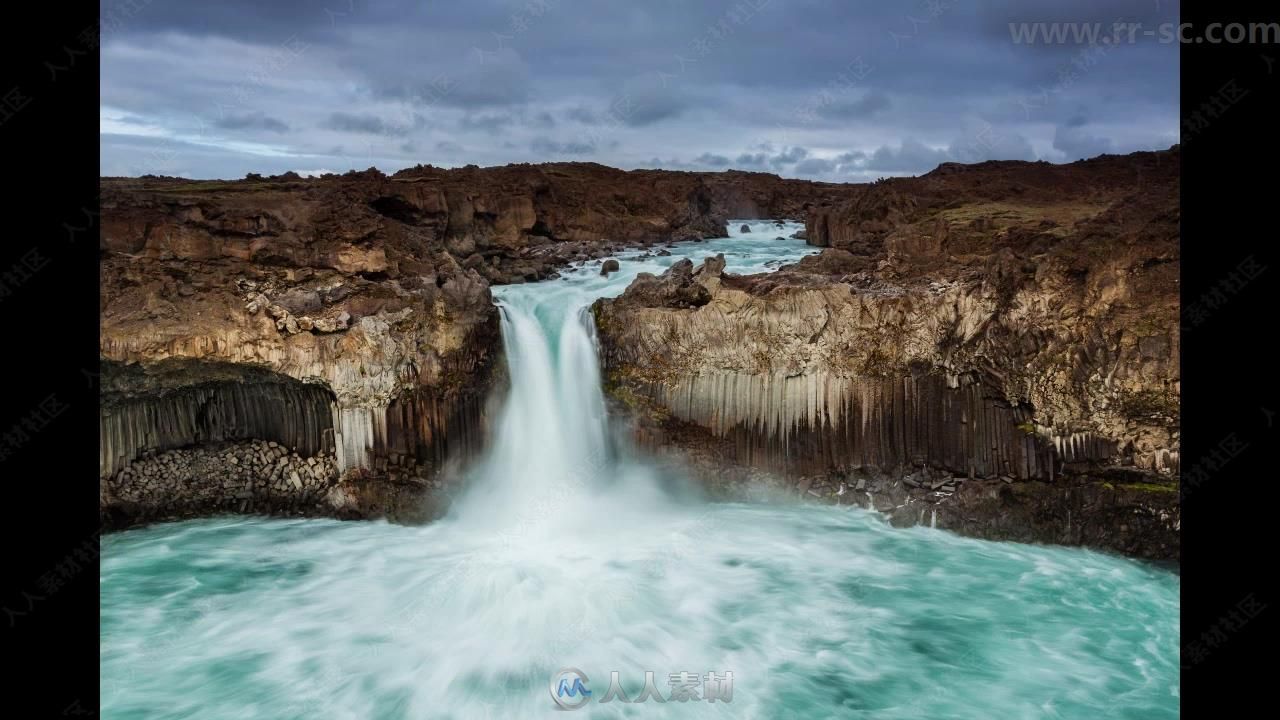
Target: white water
(551, 452)
(566, 552)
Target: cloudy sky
(845, 90)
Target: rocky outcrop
(676, 288)
(346, 318)
(510, 223)
(325, 364)
(998, 342)
(1002, 320)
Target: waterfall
(566, 551)
(551, 460)
(550, 452)
(551, 431)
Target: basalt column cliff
(990, 348)
(329, 345)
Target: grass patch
(1153, 487)
(1149, 487)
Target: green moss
(1145, 487)
(1027, 427)
(598, 315)
(1153, 487)
(619, 390)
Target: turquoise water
(568, 553)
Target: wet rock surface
(1133, 513)
(263, 477)
(998, 321)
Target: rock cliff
(977, 327)
(990, 348)
(328, 345)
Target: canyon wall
(991, 348)
(997, 324)
(329, 345)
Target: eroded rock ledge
(346, 319)
(991, 348)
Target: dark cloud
(1075, 143)
(495, 123)
(553, 149)
(637, 102)
(584, 115)
(789, 156)
(815, 166)
(249, 121)
(711, 159)
(909, 156)
(869, 104)
(914, 157)
(488, 123)
(647, 100)
(242, 85)
(363, 123)
(477, 79)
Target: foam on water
(566, 552)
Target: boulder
(712, 266)
(675, 288)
